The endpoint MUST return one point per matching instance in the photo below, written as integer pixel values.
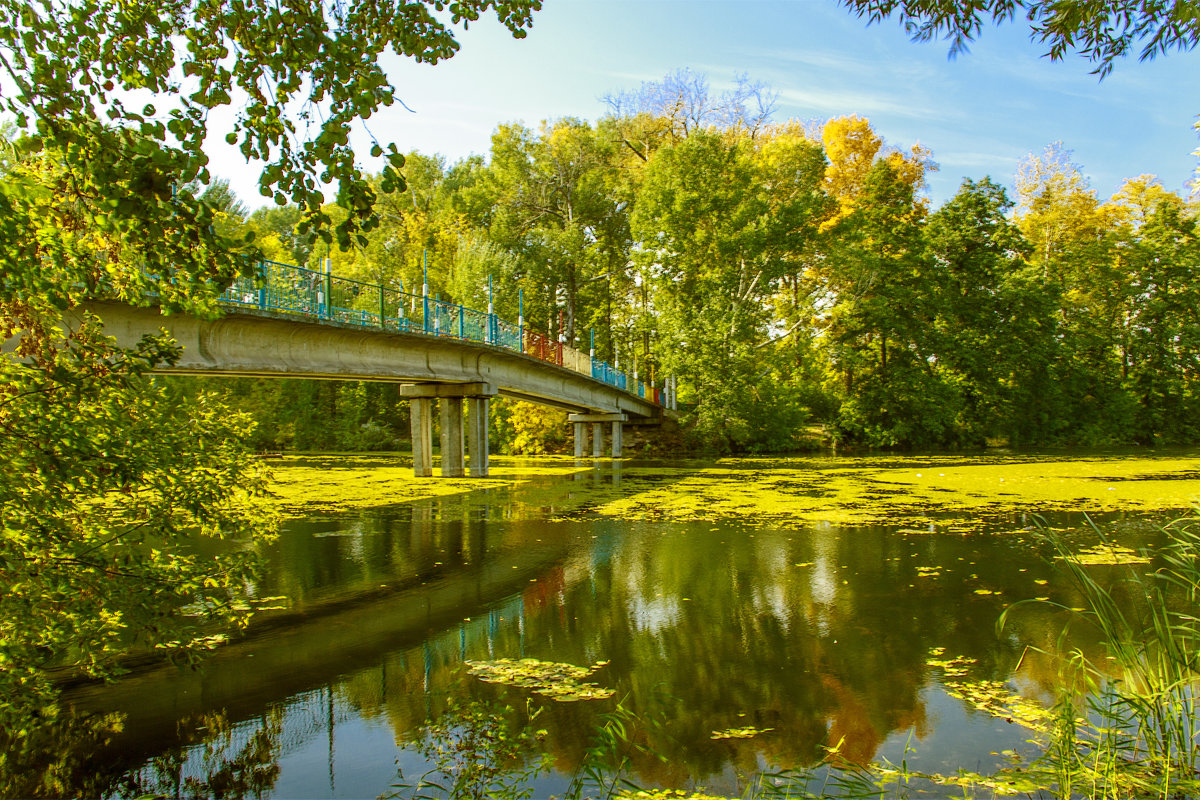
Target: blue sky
(981, 113)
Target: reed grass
(1126, 726)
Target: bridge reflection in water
(820, 635)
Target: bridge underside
(455, 373)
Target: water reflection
(821, 635)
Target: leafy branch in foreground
(1101, 32)
(300, 77)
(113, 497)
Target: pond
(742, 615)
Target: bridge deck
(246, 342)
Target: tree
(81, 70)
(683, 102)
(992, 318)
(558, 207)
(876, 334)
(852, 148)
(1076, 249)
(720, 220)
(1162, 334)
(109, 487)
(1101, 32)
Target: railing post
(425, 294)
(491, 329)
(462, 334)
(261, 271)
(521, 319)
(329, 291)
(382, 310)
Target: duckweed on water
(1107, 554)
(921, 495)
(991, 697)
(748, 732)
(561, 682)
(308, 484)
(908, 493)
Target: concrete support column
(580, 439)
(580, 421)
(477, 436)
(421, 411)
(452, 436)
(450, 397)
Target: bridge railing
(601, 371)
(314, 294)
(506, 334)
(543, 347)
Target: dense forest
(794, 276)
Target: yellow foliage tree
(536, 429)
(1057, 210)
(1138, 198)
(852, 147)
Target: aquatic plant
(477, 752)
(1127, 727)
(561, 682)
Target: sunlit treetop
(1102, 31)
(295, 76)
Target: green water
(813, 634)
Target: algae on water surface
(947, 493)
(305, 484)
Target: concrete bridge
(430, 360)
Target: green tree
(993, 320)
(1163, 339)
(1077, 250)
(881, 356)
(280, 222)
(560, 212)
(720, 221)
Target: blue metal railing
(288, 289)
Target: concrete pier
(477, 437)
(453, 465)
(581, 421)
(450, 397)
(580, 439)
(421, 412)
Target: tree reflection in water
(819, 638)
